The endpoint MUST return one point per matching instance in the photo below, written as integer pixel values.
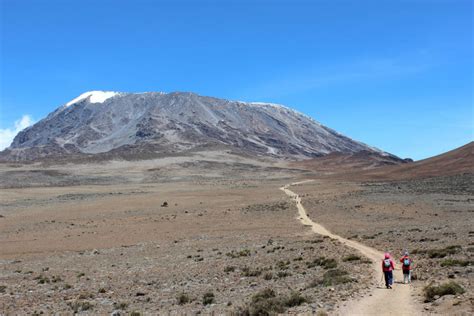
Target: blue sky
(394, 74)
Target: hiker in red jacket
(387, 267)
(406, 267)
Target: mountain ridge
(98, 122)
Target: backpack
(406, 262)
(386, 263)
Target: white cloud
(7, 134)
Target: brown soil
(99, 237)
(100, 248)
(431, 218)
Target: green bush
(451, 287)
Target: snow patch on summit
(94, 97)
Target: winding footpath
(381, 301)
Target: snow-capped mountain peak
(132, 124)
(94, 97)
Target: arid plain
(213, 233)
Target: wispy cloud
(313, 77)
(7, 134)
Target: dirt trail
(380, 301)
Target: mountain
(373, 167)
(346, 162)
(139, 125)
(454, 162)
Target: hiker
(406, 267)
(387, 268)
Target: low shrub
(351, 258)
(236, 254)
(42, 279)
(78, 306)
(283, 274)
(247, 272)
(441, 253)
(335, 277)
(455, 262)
(451, 287)
(295, 299)
(208, 298)
(121, 305)
(323, 262)
(283, 265)
(268, 276)
(183, 298)
(314, 241)
(85, 295)
(267, 302)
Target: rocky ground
(432, 218)
(214, 234)
(226, 241)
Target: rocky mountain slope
(345, 162)
(454, 162)
(143, 124)
(362, 166)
